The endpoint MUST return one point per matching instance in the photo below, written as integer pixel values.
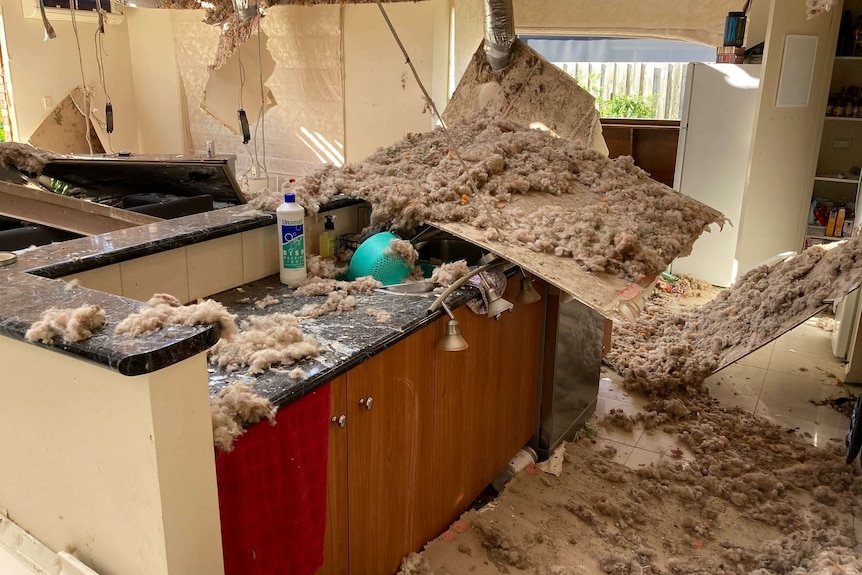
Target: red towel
(272, 492)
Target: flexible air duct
(499, 33)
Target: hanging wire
(73, 5)
(475, 191)
(100, 65)
(262, 114)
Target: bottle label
(292, 245)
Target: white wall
(156, 83)
(785, 142)
(39, 69)
(382, 100)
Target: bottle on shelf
(290, 218)
(327, 239)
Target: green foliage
(2, 133)
(632, 106)
(618, 106)
(60, 187)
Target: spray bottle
(327, 239)
(291, 219)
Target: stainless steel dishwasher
(571, 368)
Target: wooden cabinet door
(390, 406)
(335, 550)
(486, 402)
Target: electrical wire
(262, 114)
(475, 191)
(99, 41)
(73, 5)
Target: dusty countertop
(347, 338)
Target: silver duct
(499, 33)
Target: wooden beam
(65, 212)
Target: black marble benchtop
(347, 338)
(26, 290)
(82, 254)
(24, 297)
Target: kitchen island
(114, 454)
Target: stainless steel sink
(444, 248)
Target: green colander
(370, 260)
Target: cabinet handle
(340, 421)
(367, 402)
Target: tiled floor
(778, 381)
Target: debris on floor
(263, 341)
(665, 351)
(165, 309)
(419, 180)
(265, 301)
(235, 407)
(73, 324)
(731, 493)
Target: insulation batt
(264, 341)
(610, 216)
(233, 408)
(165, 309)
(318, 267)
(664, 352)
(337, 301)
(25, 158)
(74, 324)
(404, 250)
(321, 286)
(448, 273)
(381, 315)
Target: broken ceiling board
(238, 83)
(602, 292)
(65, 212)
(744, 348)
(63, 131)
(530, 91)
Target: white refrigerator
(716, 126)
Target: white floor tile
(811, 365)
(603, 406)
(665, 444)
(621, 451)
(787, 398)
(759, 358)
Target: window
(629, 77)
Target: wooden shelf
(839, 180)
(859, 58)
(846, 119)
(833, 238)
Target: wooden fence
(657, 83)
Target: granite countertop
(24, 297)
(82, 254)
(347, 338)
(26, 290)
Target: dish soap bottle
(327, 239)
(291, 219)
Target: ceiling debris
(666, 352)
(65, 129)
(530, 91)
(234, 408)
(164, 310)
(74, 325)
(544, 202)
(264, 341)
(243, 75)
(25, 158)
